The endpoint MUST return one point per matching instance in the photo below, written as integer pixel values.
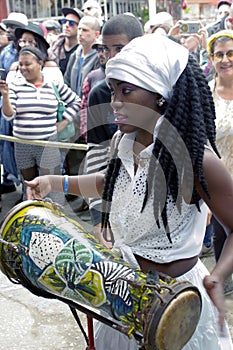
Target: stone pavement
(28, 322)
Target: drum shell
(58, 257)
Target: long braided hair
(178, 150)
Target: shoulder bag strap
(56, 92)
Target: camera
(189, 27)
(2, 74)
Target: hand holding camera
(2, 74)
(189, 27)
(3, 84)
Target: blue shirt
(8, 56)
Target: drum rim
(17, 208)
(179, 287)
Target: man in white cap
(162, 20)
(67, 41)
(93, 8)
(8, 56)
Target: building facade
(43, 9)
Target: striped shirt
(35, 109)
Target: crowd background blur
(71, 49)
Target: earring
(161, 101)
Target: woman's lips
(120, 118)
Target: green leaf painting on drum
(89, 289)
(70, 275)
(74, 259)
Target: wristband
(65, 184)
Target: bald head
(89, 22)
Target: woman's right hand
(38, 188)
(4, 88)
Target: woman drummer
(162, 178)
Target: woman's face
(30, 67)
(134, 107)
(27, 39)
(223, 58)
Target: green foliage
(143, 14)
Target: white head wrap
(151, 62)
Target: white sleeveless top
(138, 230)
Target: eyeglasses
(70, 22)
(23, 42)
(219, 55)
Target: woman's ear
(210, 57)
(41, 64)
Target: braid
(179, 147)
(110, 179)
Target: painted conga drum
(52, 255)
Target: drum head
(172, 326)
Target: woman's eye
(126, 90)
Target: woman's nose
(116, 104)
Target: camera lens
(184, 28)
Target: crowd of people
(155, 124)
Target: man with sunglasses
(67, 41)
(85, 58)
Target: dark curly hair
(187, 127)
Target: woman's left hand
(214, 289)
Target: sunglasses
(219, 55)
(11, 26)
(100, 49)
(69, 21)
(23, 42)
